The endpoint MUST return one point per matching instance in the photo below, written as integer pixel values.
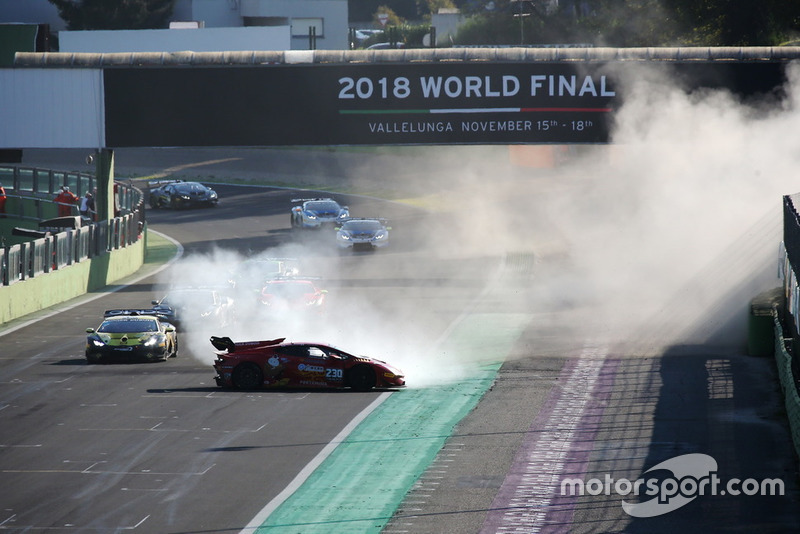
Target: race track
(159, 448)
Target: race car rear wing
(310, 199)
(227, 345)
(133, 312)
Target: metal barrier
(31, 192)
(30, 196)
(59, 251)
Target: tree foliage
(115, 14)
(626, 23)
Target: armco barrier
(60, 285)
(783, 361)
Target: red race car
(294, 295)
(252, 365)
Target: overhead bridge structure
(354, 97)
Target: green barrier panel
(783, 361)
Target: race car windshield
(128, 325)
(362, 226)
(323, 205)
(191, 188)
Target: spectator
(65, 200)
(87, 206)
(2, 202)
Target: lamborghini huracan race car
(131, 335)
(363, 233)
(195, 307)
(253, 273)
(179, 194)
(318, 212)
(293, 294)
(255, 364)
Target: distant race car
(318, 212)
(255, 364)
(131, 335)
(363, 233)
(179, 194)
(253, 273)
(293, 294)
(191, 307)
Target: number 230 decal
(333, 374)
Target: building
(293, 25)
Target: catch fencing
(787, 319)
(30, 197)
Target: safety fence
(787, 318)
(30, 193)
(788, 371)
(60, 250)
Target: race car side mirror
(90, 330)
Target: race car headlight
(310, 215)
(155, 341)
(213, 194)
(344, 236)
(97, 342)
(380, 235)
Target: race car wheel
(361, 378)
(247, 376)
(174, 349)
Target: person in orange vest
(65, 200)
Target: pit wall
(56, 287)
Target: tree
(115, 14)
(628, 23)
(392, 18)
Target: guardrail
(788, 371)
(29, 185)
(30, 196)
(57, 251)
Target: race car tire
(247, 376)
(154, 203)
(361, 378)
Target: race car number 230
(333, 374)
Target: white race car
(318, 212)
(363, 233)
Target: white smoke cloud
(660, 238)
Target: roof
(406, 55)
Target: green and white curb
(362, 478)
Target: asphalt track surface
(159, 448)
